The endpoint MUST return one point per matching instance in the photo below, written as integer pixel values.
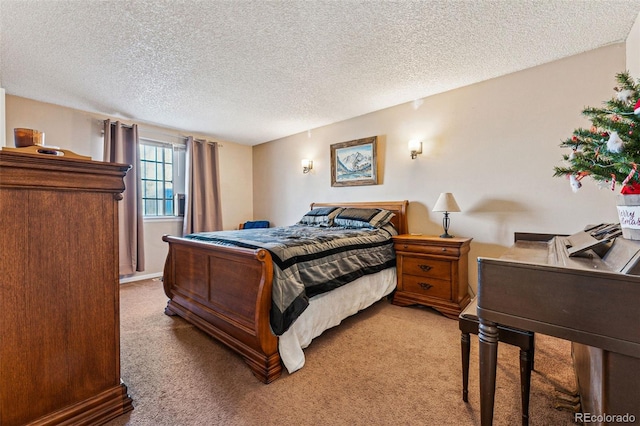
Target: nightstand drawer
(426, 286)
(422, 266)
(427, 249)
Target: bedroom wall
(2, 118)
(493, 144)
(81, 132)
(633, 49)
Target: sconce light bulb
(307, 165)
(415, 146)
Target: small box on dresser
(432, 271)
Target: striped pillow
(363, 218)
(322, 216)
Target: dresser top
(21, 169)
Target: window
(160, 166)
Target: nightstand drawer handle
(425, 286)
(424, 267)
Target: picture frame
(354, 163)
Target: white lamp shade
(446, 203)
(415, 145)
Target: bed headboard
(397, 207)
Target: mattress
(327, 310)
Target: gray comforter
(309, 260)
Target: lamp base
(445, 225)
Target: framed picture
(354, 162)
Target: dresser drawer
(426, 286)
(425, 267)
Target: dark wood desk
(534, 287)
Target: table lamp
(446, 203)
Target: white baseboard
(140, 277)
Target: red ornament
(636, 109)
(574, 138)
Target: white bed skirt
(328, 310)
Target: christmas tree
(609, 151)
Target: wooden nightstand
(432, 271)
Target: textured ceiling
(253, 71)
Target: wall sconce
(446, 203)
(307, 165)
(416, 148)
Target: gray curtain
(121, 145)
(202, 186)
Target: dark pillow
(363, 218)
(322, 216)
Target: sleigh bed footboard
(225, 292)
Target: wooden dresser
(59, 295)
(432, 271)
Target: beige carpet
(386, 365)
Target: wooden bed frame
(226, 292)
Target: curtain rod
(113, 123)
(208, 142)
(145, 130)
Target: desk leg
(525, 384)
(488, 338)
(465, 343)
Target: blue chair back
(256, 224)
